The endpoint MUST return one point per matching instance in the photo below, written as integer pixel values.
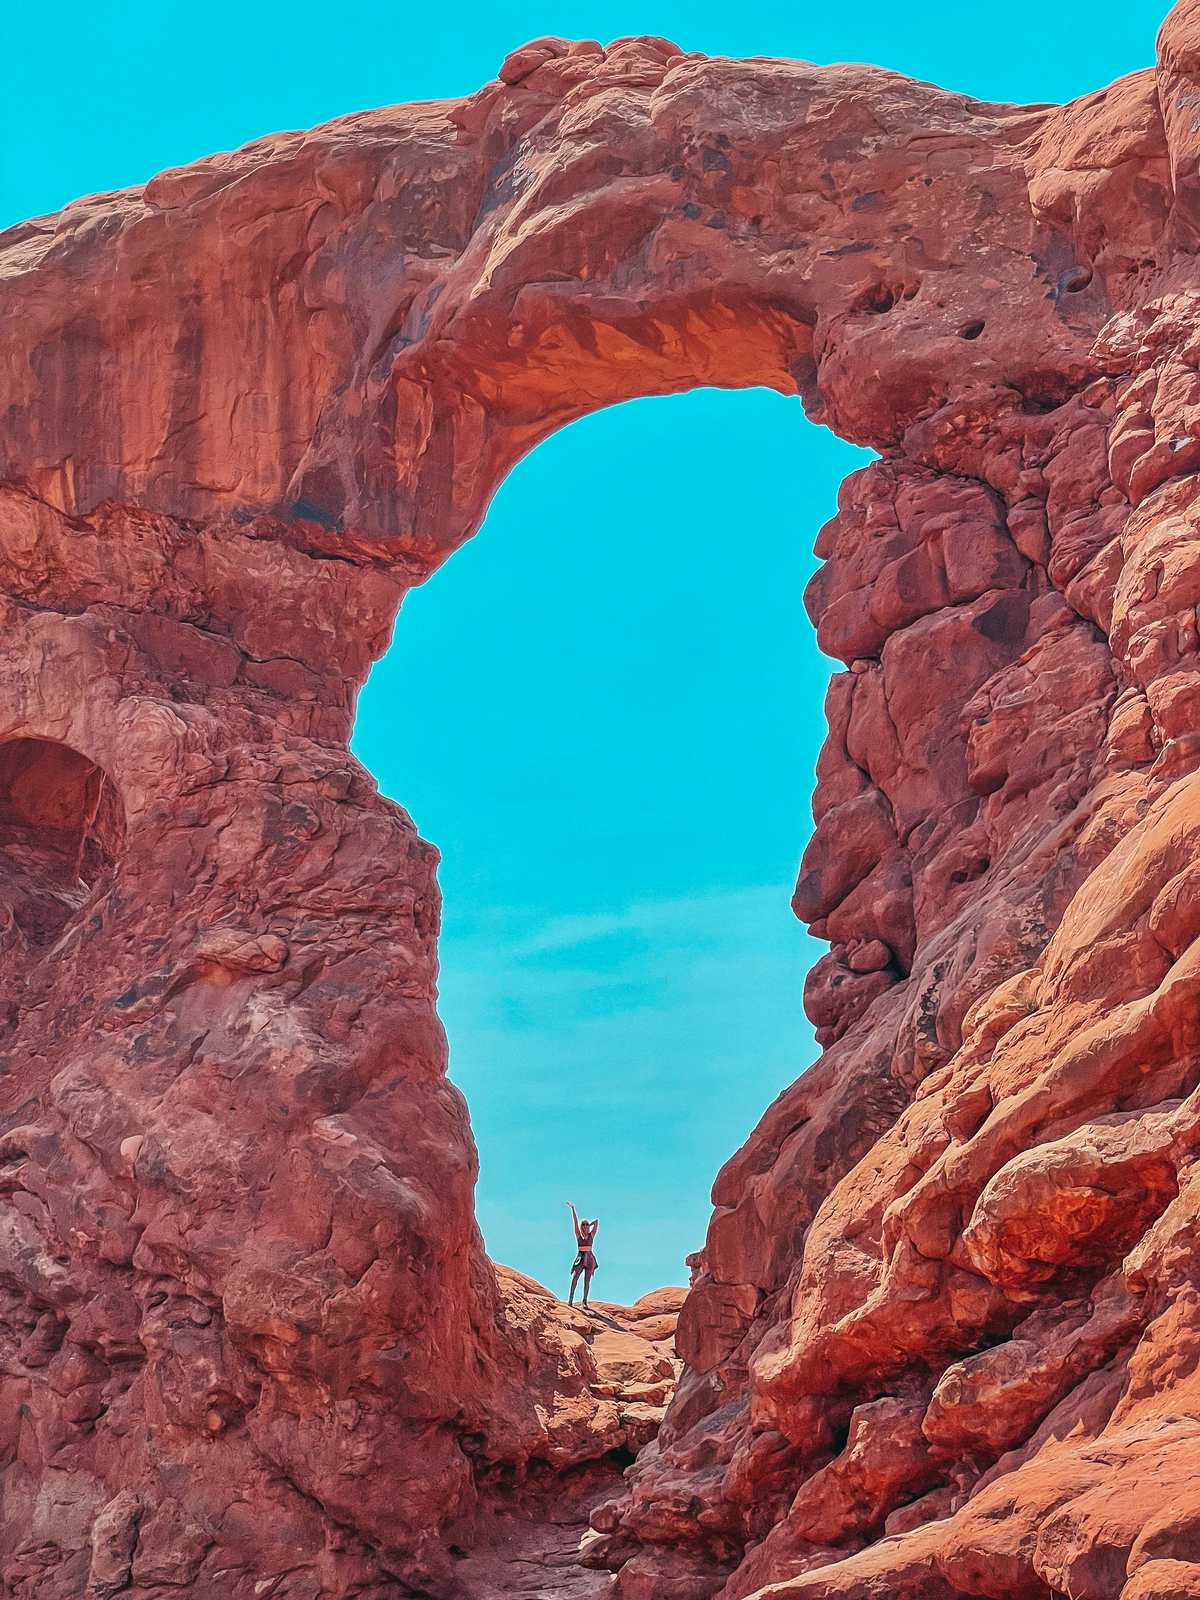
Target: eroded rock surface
(944, 1334)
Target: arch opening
(62, 829)
(605, 712)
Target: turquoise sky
(605, 710)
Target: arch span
(597, 226)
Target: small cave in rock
(1075, 280)
(62, 826)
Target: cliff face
(946, 1328)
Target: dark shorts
(585, 1261)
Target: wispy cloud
(692, 915)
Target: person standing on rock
(585, 1261)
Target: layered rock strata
(945, 1328)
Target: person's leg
(587, 1283)
(574, 1280)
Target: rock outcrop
(944, 1333)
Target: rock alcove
(944, 1329)
(61, 828)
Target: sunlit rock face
(944, 1334)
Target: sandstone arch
(312, 360)
(610, 234)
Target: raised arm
(575, 1219)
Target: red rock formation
(943, 1336)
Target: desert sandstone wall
(944, 1336)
